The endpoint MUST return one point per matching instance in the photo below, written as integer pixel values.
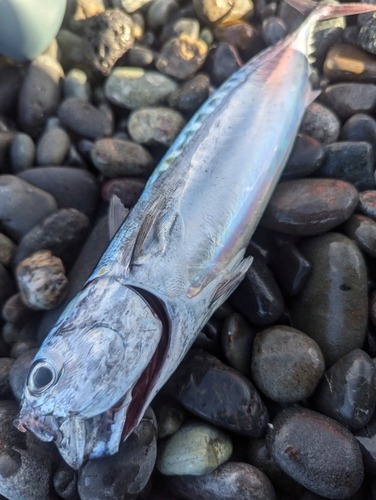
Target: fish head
(88, 382)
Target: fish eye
(42, 375)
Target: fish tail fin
(324, 11)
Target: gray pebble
(366, 36)
(191, 94)
(170, 417)
(71, 47)
(347, 99)
(130, 5)
(15, 311)
(140, 56)
(153, 126)
(19, 372)
(160, 12)
(53, 147)
(22, 153)
(12, 332)
(6, 139)
(362, 230)
(237, 339)
(273, 30)
(367, 203)
(65, 482)
(7, 287)
(133, 88)
(22, 346)
(77, 85)
(320, 123)
(5, 369)
(7, 250)
(22, 205)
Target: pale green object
(27, 27)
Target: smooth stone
(22, 153)
(5, 369)
(195, 449)
(170, 417)
(71, 187)
(309, 206)
(349, 35)
(6, 139)
(366, 438)
(360, 127)
(15, 311)
(240, 9)
(131, 6)
(128, 190)
(40, 94)
(219, 394)
(290, 268)
(65, 482)
(153, 126)
(258, 296)
(209, 338)
(317, 452)
(118, 157)
(140, 56)
(233, 480)
(347, 393)
(286, 364)
(191, 94)
(366, 36)
(41, 280)
(53, 147)
(71, 47)
(10, 83)
(332, 308)
(107, 36)
(22, 205)
(77, 85)
(362, 230)
(182, 57)
(133, 88)
(273, 30)
(346, 62)
(245, 37)
(222, 61)
(320, 123)
(211, 11)
(13, 333)
(125, 475)
(237, 339)
(22, 346)
(349, 161)
(347, 99)
(27, 27)
(367, 203)
(306, 157)
(62, 233)
(183, 26)
(84, 119)
(7, 250)
(160, 13)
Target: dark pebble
(21, 346)
(213, 391)
(231, 480)
(71, 187)
(286, 364)
(349, 161)
(5, 369)
(347, 393)
(309, 206)
(320, 123)
(53, 147)
(241, 35)
(360, 127)
(362, 230)
(170, 416)
(140, 56)
(10, 84)
(63, 233)
(306, 157)
(317, 452)
(367, 203)
(366, 438)
(40, 93)
(125, 475)
(258, 296)
(22, 153)
(209, 338)
(222, 62)
(65, 482)
(6, 140)
(84, 119)
(128, 190)
(15, 311)
(237, 339)
(346, 62)
(290, 268)
(273, 30)
(7, 285)
(191, 94)
(366, 36)
(347, 99)
(19, 372)
(332, 307)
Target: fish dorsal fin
(117, 213)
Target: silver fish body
(178, 256)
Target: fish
(176, 257)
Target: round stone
(160, 13)
(366, 36)
(10, 82)
(19, 372)
(306, 157)
(77, 85)
(347, 99)
(222, 61)
(7, 250)
(128, 190)
(5, 369)
(286, 364)
(360, 127)
(53, 147)
(320, 123)
(170, 417)
(367, 203)
(273, 30)
(22, 153)
(237, 339)
(191, 94)
(153, 126)
(346, 62)
(15, 311)
(362, 230)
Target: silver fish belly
(175, 259)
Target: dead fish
(176, 258)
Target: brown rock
(348, 62)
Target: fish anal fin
(117, 213)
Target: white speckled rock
(153, 126)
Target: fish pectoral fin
(230, 282)
(117, 213)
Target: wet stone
(237, 339)
(286, 364)
(19, 372)
(317, 452)
(160, 12)
(347, 99)
(22, 153)
(131, 5)
(15, 311)
(5, 368)
(191, 94)
(366, 36)
(7, 250)
(170, 417)
(10, 83)
(12, 332)
(349, 161)
(133, 88)
(6, 139)
(42, 281)
(195, 449)
(62, 233)
(347, 393)
(367, 203)
(310, 206)
(128, 190)
(53, 147)
(140, 56)
(258, 296)
(84, 119)
(219, 394)
(231, 480)
(65, 482)
(360, 127)
(182, 57)
(209, 338)
(366, 438)
(241, 35)
(183, 26)
(125, 475)
(349, 63)
(320, 123)
(362, 230)
(40, 93)
(71, 47)
(153, 126)
(211, 11)
(107, 36)
(71, 187)
(77, 85)
(222, 62)
(290, 268)
(273, 30)
(118, 157)
(332, 307)
(22, 205)
(306, 157)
